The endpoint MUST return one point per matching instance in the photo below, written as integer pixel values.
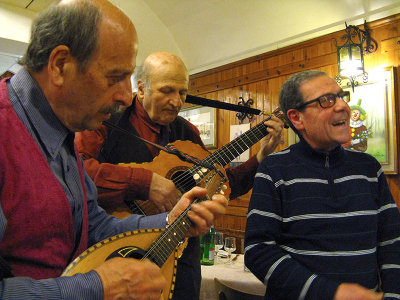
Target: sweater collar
(316, 157)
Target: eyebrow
(331, 93)
(171, 88)
(119, 72)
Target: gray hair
(73, 25)
(142, 73)
(290, 95)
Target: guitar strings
(176, 232)
(232, 148)
(185, 179)
(162, 248)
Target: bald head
(162, 86)
(163, 58)
(161, 62)
(110, 13)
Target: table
(233, 275)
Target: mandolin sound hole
(128, 251)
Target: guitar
(185, 175)
(161, 246)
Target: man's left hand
(272, 139)
(202, 214)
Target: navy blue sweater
(316, 220)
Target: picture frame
(378, 131)
(204, 118)
(378, 101)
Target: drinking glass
(230, 246)
(219, 243)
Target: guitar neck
(222, 156)
(162, 248)
(230, 151)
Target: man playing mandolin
(162, 87)
(73, 79)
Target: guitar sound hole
(129, 251)
(183, 181)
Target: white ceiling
(210, 33)
(35, 5)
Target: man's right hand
(163, 193)
(128, 278)
(353, 291)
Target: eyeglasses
(328, 100)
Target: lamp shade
(350, 60)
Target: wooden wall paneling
(252, 67)
(332, 70)
(227, 117)
(274, 87)
(291, 68)
(237, 92)
(259, 104)
(291, 57)
(269, 63)
(383, 33)
(390, 44)
(232, 73)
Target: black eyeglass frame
(341, 95)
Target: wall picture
(373, 119)
(204, 118)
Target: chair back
(225, 292)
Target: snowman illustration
(359, 132)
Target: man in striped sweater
(322, 223)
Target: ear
(59, 58)
(140, 91)
(296, 118)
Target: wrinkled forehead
(169, 73)
(318, 86)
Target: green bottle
(208, 247)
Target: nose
(341, 104)
(123, 95)
(176, 100)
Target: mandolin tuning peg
(224, 187)
(204, 170)
(196, 176)
(221, 192)
(200, 173)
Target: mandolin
(185, 175)
(161, 246)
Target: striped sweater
(316, 220)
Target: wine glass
(218, 242)
(230, 246)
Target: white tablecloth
(233, 275)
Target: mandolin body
(127, 244)
(161, 246)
